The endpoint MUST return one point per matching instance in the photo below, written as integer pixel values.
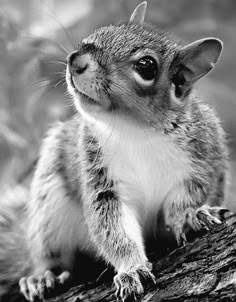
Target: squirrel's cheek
(87, 84)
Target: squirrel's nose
(77, 63)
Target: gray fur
(74, 202)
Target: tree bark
(204, 270)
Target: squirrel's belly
(145, 169)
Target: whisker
(50, 82)
(60, 72)
(39, 51)
(58, 21)
(44, 86)
(44, 80)
(58, 83)
(106, 90)
(56, 74)
(61, 47)
(50, 87)
(71, 117)
(99, 277)
(70, 105)
(57, 62)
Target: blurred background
(35, 37)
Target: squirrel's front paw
(205, 217)
(202, 218)
(128, 284)
(34, 288)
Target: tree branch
(204, 270)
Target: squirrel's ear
(138, 14)
(194, 61)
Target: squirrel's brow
(135, 49)
(89, 47)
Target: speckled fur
(79, 198)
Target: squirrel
(141, 145)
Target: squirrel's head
(132, 68)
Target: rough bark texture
(204, 270)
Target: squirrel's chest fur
(145, 167)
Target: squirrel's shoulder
(200, 132)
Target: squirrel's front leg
(115, 231)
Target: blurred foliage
(35, 36)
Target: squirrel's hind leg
(56, 230)
(53, 242)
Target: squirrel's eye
(147, 68)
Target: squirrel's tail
(14, 254)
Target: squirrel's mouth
(83, 97)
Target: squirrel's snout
(77, 63)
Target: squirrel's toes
(206, 217)
(128, 284)
(34, 288)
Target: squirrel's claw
(34, 288)
(128, 284)
(203, 218)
